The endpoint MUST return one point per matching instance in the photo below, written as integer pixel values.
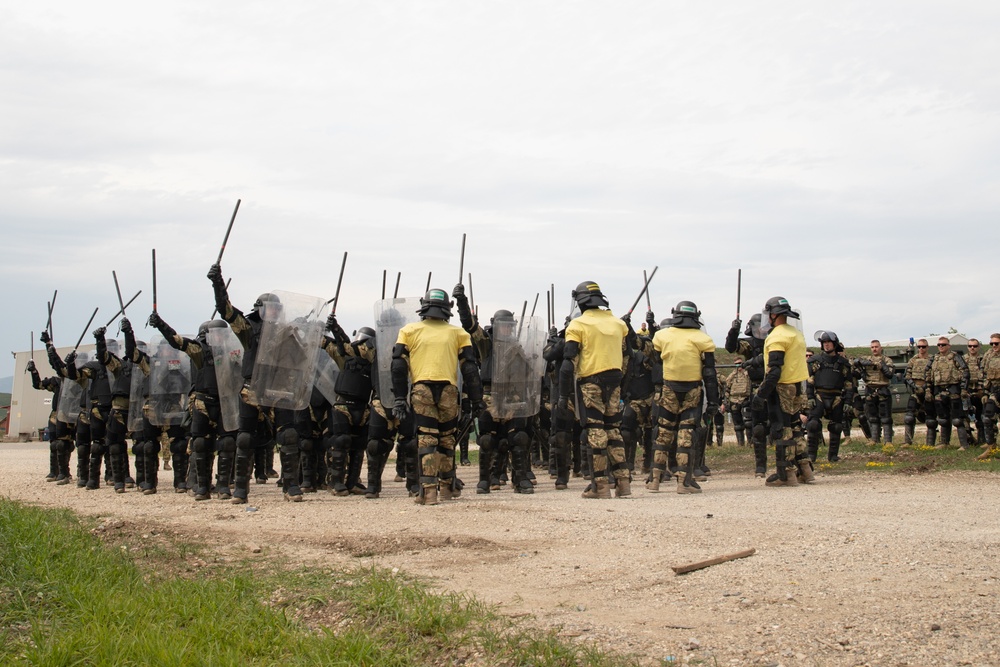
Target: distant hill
(7, 385)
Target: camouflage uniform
(877, 371)
(974, 396)
(920, 404)
(59, 434)
(737, 399)
(991, 393)
(949, 377)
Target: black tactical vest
(827, 376)
(354, 382)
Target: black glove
(155, 320)
(912, 386)
(331, 322)
(31, 366)
(99, 332)
(215, 275)
(758, 402)
(478, 408)
(650, 319)
(44, 337)
(466, 405)
(400, 410)
(627, 318)
(553, 332)
(737, 323)
(459, 291)
(70, 358)
(125, 325)
(864, 363)
(711, 410)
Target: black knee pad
(244, 441)
(813, 426)
(521, 440)
(958, 422)
(909, 419)
(227, 444)
(487, 442)
(199, 445)
(306, 444)
(178, 446)
(835, 427)
(288, 440)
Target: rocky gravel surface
(858, 569)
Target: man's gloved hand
(478, 408)
(44, 337)
(737, 323)
(864, 363)
(31, 366)
(70, 358)
(215, 275)
(627, 318)
(459, 292)
(125, 325)
(710, 411)
(553, 332)
(155, 320)
(99, 332)
(400, 410)
(650, 319)
(758, 402)
(332, 325)
(912, 386)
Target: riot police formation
(831, 387)
(335, 404)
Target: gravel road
(857, 569)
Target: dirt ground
(859, 569)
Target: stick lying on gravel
(684, 569)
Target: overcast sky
(844, 155)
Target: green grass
(858, 456)
(67, 598)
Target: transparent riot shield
(227, 355)
(325, 378)
(169, 383)
(391, 315)
(138, 390)
(286, 355)
(71, 394)
(114, 348)
(518, 367)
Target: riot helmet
(588, 295)
(436, 305)
(502, 323)
(775, 307)
(365, 336)
(685, 316)
(823, 336)
(753, 327)
(210, 324)
(266, 307)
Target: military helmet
(685, 315)
(823, 336)
(588, 294)
(365, 334)
(753, 326)
(210, 324)
(502, 315)
(435, 304)
(264, 299)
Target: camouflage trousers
(601, 406)
(435, 410)
(783, 408)
(678, 414)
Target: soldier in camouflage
(920, 404)
(737, 399)
(991, 393)
(949, 378)
(60, 435)
(974, 396)
(831, 387)
(877, 371)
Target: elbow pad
(400, 371)
(775, 360)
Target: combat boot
(623, 487)
(653, 484)
(598, 489)
(741, 439)
(428, 496)
(805, 472)
(908, 430)
(687, 484)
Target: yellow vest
(787, 339)
(600, 335)
(434, 346)
(681, 351)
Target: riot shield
(71, 394)
(138, 391)
(391, 315)
(227, 354)
(325, 378)
(518, 367)
(286, 355)
(169, 383)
